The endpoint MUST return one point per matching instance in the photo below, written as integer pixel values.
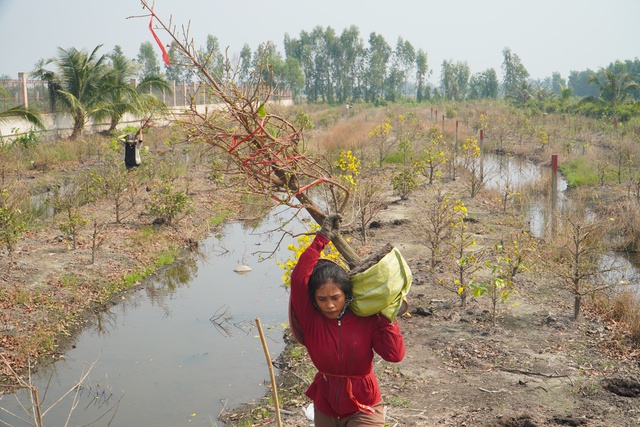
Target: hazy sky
(547, 35)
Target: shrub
(168, 203)
(404, 183)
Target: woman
(345, 391)
(132, 143)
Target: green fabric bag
(382, 288)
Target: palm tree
(523, 92)
(20, 112)
(614, 87)
(120, 97)
(79, 85)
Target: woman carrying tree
(132, 143)
(340, 344)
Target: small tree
(407, 128)
(97, 238)
(167, 203)
(369, 202)
(381, 142)
(404, 183)
(434, 155)
(434, 219)
(580, 246)
(472, 162)
(509, 260)
(11, 224)
(465, 259)
(66, 201)
(114, 180)
(507, 193)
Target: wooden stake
(273, 378)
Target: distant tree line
(322, 66)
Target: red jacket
(341, 350)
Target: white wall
(60, 125)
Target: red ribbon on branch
(165, 55)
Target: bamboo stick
(273, 378)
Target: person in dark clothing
(132, 143)
(341, 345)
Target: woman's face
(330, 299)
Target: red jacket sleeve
(299, 298)
(388, 341)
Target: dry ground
(537, 367)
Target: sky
(547, 35)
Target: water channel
(179, 350)
(516, 173)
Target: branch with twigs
(261, 145)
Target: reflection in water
(514, 174)
(620, 270)
(221, 319)
(176, 351)
(501, 171)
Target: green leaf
(477, 290)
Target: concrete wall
(60, 125)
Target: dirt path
(537, 367)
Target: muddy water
(503, 171)
(179, 350)
(619, 268)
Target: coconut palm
(20, 112)
(79, 85)
(615, 88)
(120, 97)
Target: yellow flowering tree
(434, 156)
(381, 142)
(349, 166)
(303, 241)
(543, 138)
(437, 213)
(509, 260)
(463, 254)
(366, 192)
(471, 158)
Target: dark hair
(325, 271)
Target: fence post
(173, 82)
(554, 192)
(455, 152)
(23, 89)
(481, 155)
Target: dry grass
(350, 133)
(623, 309)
